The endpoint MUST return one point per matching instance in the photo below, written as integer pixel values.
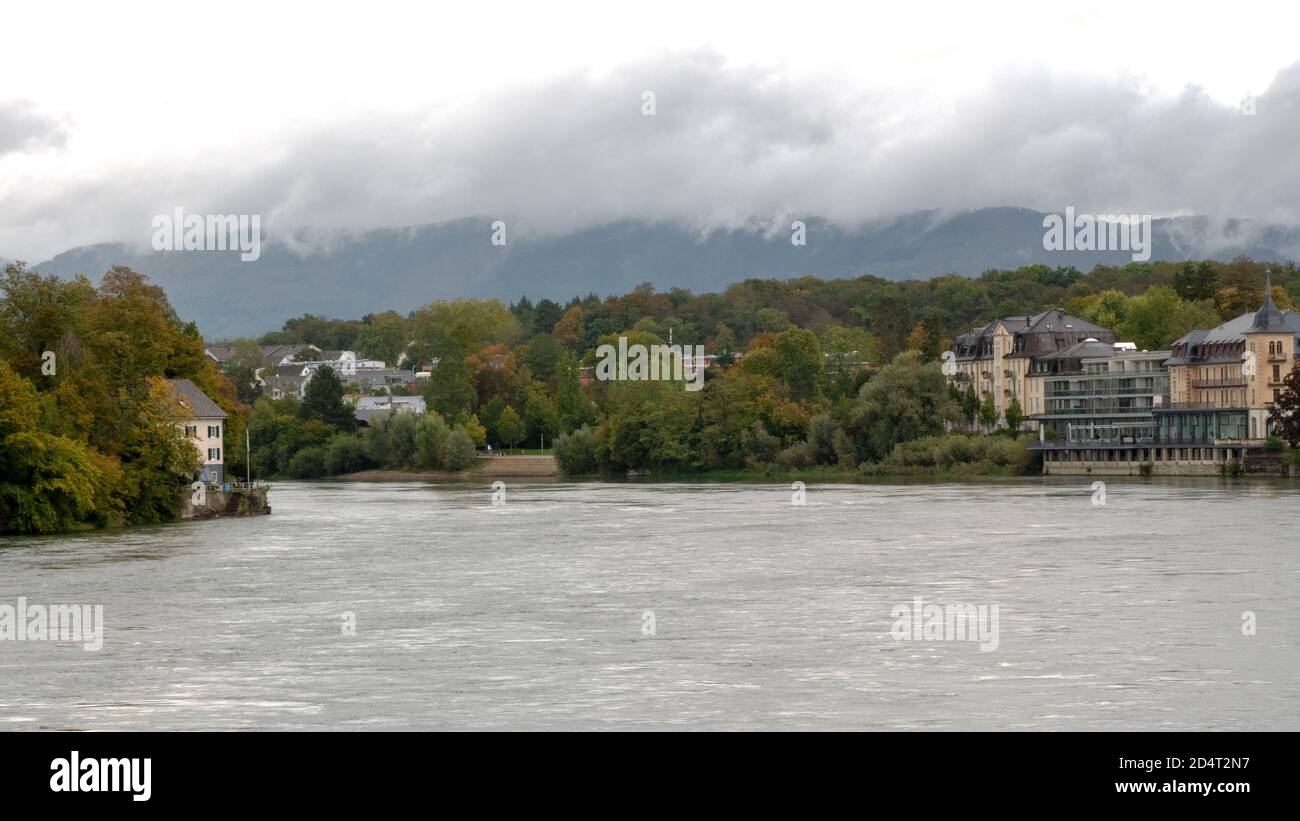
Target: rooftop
(195, 400)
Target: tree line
(809, 372)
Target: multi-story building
(204, 423)
(1213, 407)
(997, 359)
(1099, 405)
(1223, 383)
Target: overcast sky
(334, 116)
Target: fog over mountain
(356, 273)
(603, 187)
(729, 144)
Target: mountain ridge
(375, 270)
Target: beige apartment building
(1223, 381)
(1215, 409)
(997, 359)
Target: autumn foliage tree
(89, 430)
(1286, 410)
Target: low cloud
(728, 146)
(23, 128)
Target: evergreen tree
(323, 401)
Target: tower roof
(1268, 319)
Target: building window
(214, 454)
(214, 431)
(192, 431)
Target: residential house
(367, 380)
(284, 380)
(204, 422)
(371, 410)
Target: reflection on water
(765, 614)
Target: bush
(576, 452)
(346, 453)
(759, 446)
(960, 453)
(1231, 468)
(431, 434)
(401, 429)
(797, 456)
(1274, 444)
(458, 451)
(821, 439)
(308, 463)
(376, 441)
(846, 453)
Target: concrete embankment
(215, 502)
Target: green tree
(907, 399)
(540, 416)
(510, 428)
(430, 434)
(844, 348)
(453, 329)
(1196, 281)
(346, 453)
(570, 404)
(771, 320)
(1014, 416)
(576, 452)
(308, 463)
(1108, 310)
(450, 389)
(157, 457)
(323, 401)
(47, 483)
(241, 369)
(382, 336)
(888, 314)
(543, 355)
(1151, 321)
(458, 451)
(799, 362)
(970, 405)
(988, 413)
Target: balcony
(1201, 406)
(1277, 357)
(1100, 393)
(1231, 382)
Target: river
(600, 606)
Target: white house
(371, 409)
(205, 424)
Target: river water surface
(659, 606)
